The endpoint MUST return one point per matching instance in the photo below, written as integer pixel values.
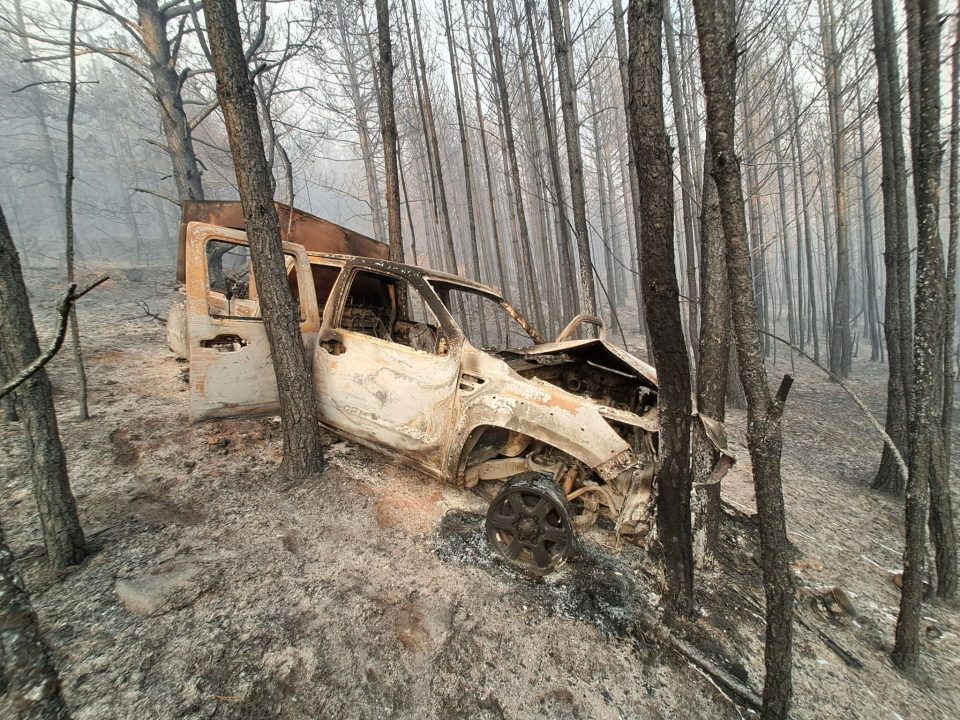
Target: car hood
(596, 351)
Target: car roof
(404, 269)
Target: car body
(397, 366)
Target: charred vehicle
(443, 373)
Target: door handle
(333, 346)
(224, 343)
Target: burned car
(441, 372)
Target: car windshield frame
(442, 285)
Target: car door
(231, 372)
(384, 375)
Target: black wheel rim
(530, 529)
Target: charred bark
(926, 439)
(571, 128)
(152, 19)
(82, 409)
(661, 296)
(716, 28)
(32, 685)
(302, 449)
(19, 347)
(898, 326)
(714, 342)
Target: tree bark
(302, 449)
(82, 410)
(465, 153)
(686, 180)
(716, 28)
(898, 326)
(941, 496)
(62, 535)
(841, 343)
(33, 688)
(571, 127)
(661, 296)
(434, 146)
(488, 173)
(152, 20)
(926, 439)
(714, 341)
(633, 217)
(559, 196)
(511, 151)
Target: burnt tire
(529, 524)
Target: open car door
(231, 371)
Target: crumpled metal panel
(313, 233)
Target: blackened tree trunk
(465, 154)
(82, 410)
(33, 689)
(571, 128)
(388, 131)
(661, 296)
(869, 273)
(62, 535)
(553, 148)
(686, 178)
(488, 173)
(898, 326)
(841, 343)
(633, 216)
(302, 449)
(714, 345)
(716, 28)
(947, 566)
(510, 148)
(926, 439)
(167, 89)
(431, 129)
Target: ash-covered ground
(215, 590)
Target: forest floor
(216, 591)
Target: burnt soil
(369, 591)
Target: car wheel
(529, 524)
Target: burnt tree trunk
(661, 296)
(926, 439)
(897, 323)
(633, 216)
(465, 154)
(167, 89)
(714, 343)
(716, 28)
(947, 580)
(571, 128)
(82, 410)
(568, 283)
(62, 535)
(510, 148)
(302, 450)
(32, 686)
(686, 179)
(431, 129)
(841, 343)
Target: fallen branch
(63, 309)
(887, 440)
(730, 687)
(850, 659)
(146, 311)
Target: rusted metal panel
(313, 233)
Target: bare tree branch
(63, 309)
